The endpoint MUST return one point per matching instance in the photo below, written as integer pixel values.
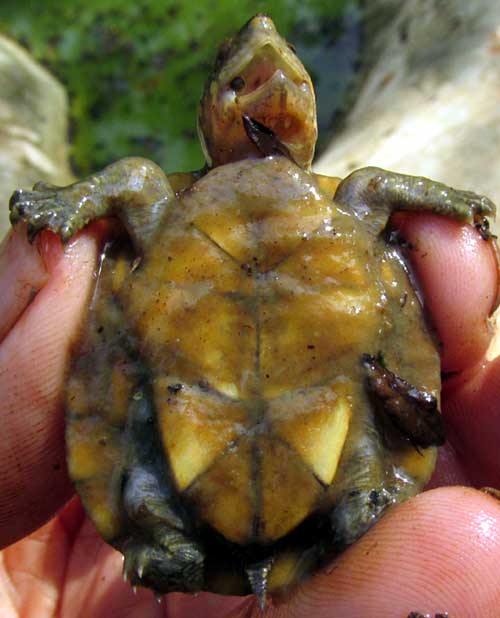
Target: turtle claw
(134, 565)
(478, 205)
(164, 569)
(41, 185)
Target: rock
(33, 125)
(430, 102)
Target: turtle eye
(237, 84)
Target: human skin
(439, 552)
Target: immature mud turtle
(255, 383)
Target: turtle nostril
(237, 84)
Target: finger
(94, 585)
(449, 469)
(439, 552)
(471, 404)
(436, 553)
(22, 273)
(458, 273)
(459, 276)
(207, 605)
(35, 569)
(33, 360)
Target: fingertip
(50, 248)
(457, 271)
(472, 412)
(439, 552)
(208, 605)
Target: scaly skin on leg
(135, 190)
(374, 194)
(362, 502)
(161, 554)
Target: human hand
(439, 552)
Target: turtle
(256, 381)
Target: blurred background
(134, 71)
(410, 86)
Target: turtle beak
(258, 53)
(258, 76)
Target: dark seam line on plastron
(306, 466)
(256, 467)
(280, 262)
(257, 305)
(213, 242)
(233, 444)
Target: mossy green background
(134, 71)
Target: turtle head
(257, 84)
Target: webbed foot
(175, 566)
(472, 204)
(159, 552)
(47, 207)
(356, 512)
(134, 190)
(374, 194)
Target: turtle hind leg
(406, 419)
(374, 194)
(175, 566)
(160, 551)
(364, 497)
(356, 512)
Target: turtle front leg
(374, 194)
(135, 190)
